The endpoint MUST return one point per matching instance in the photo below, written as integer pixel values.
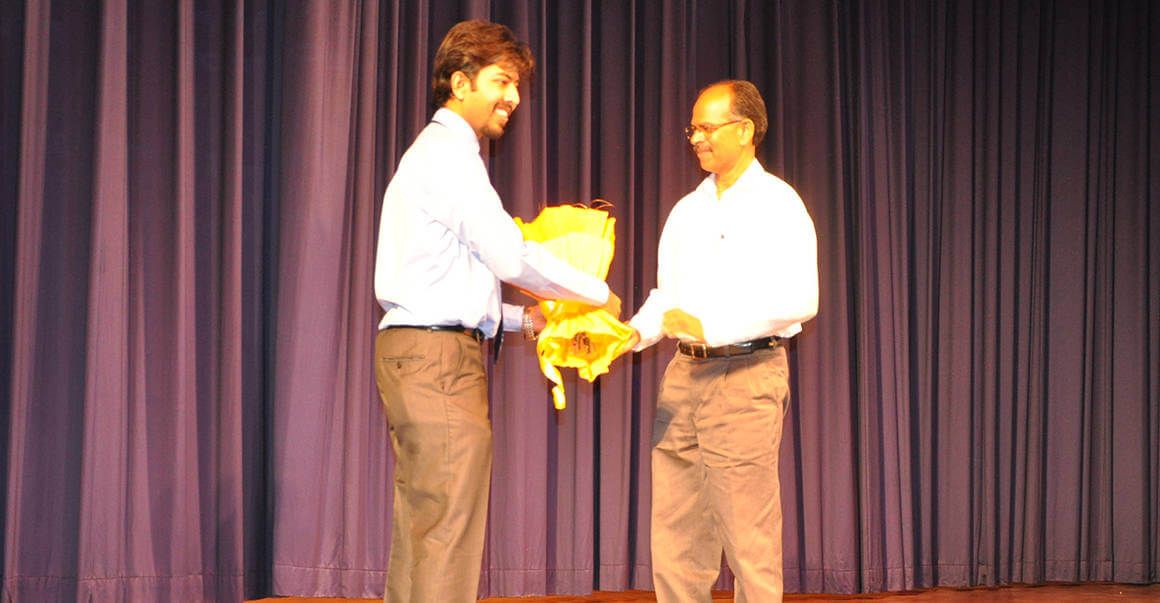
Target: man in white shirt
(445, 243)
(736, 276)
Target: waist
(701, 350)
(474, 333)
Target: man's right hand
(632, 341)
(536, 315)
(612, 305)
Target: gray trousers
(434, 388)
(714, 476)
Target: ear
(748, 131)
(460, 84)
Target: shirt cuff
(513, 317)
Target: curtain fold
(189, 195)
(124, 467)
(329, 440)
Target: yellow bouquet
(577, 335)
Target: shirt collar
(709, 184)
(457, 125)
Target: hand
(632, 341)
(612, 305)
(533, 322)
(679, 324)
(537, 315)
(635, 339)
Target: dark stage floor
(1055, 593)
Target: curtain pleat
(189, 195)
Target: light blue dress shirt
(446, 242)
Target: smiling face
(487, 102)
(719, 137)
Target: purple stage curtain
(189, 197)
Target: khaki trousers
(434, 388)
(714, 476)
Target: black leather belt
(701, 350)
(475, 333)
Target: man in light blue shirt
(445, 244)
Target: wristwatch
(528, 328)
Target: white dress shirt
(446, 242)
(745, 264)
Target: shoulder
(435, 139)
(694, 200)
(437, 151)
(768, 186)
(778, 196)
(772, 185)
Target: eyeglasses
(707, 129)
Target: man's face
(717, 136)
(490, 100)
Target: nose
(513, 96)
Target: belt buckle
(699, 351)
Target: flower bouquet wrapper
(577, 335)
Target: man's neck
(456, 106)
(729, 178)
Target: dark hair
(470, 46)
(747, 103)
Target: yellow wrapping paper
(577, 335)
